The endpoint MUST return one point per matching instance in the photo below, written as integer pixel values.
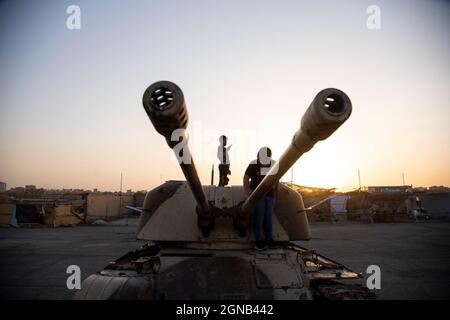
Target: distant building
(18, 189)
(30, 187)
(108, 206)
(420, 189)
(2, 186)
(388, 189)
(438, 189)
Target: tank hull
(288, 272)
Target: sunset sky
(71, 112)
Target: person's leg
(259, 217)
(269, 203)
(220, 175)
(226, 173)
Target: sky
(71, 112)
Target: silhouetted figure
(255, 173)
(224, 159)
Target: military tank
(200, 244)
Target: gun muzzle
(165, 106)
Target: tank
(199, 238)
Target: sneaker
(260, 245)
(271, 244)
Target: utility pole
(120, 198)
(120, 183)
(359, 179)
(403, 177)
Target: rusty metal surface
(318, 267)
(337, 291)
(169, 272)
(101, 287)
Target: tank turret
(165, 105)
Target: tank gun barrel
(327, 112)
(165, 106)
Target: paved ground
(33, 261)
(414, 258)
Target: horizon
(281, 181)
